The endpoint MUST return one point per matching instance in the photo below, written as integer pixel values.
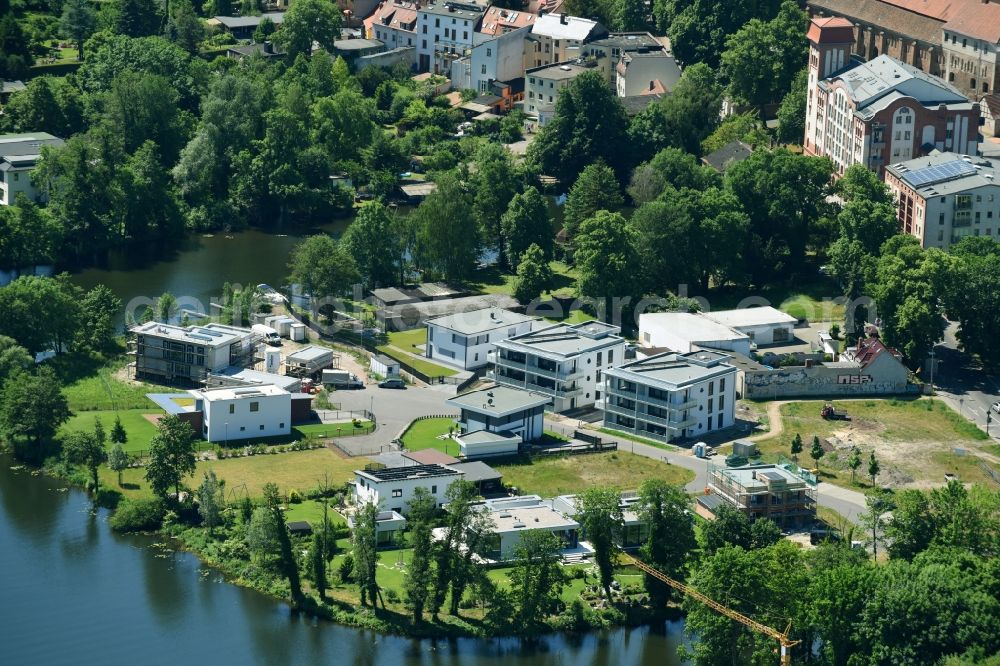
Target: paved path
(394, 409)
(963, 384)
(848, 503)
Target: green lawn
(138, 428)
(408, 340)
(311, 511)
(636, 438)
(297, 470)
(424, 434)
(914, 436)
(320, 430)
(559, 475)
(811, 299)
(92, 383)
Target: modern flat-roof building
(685, 331)
(244, 413)
(393, 487)
(500, 410)
(390, 528)
(563, 362)
(511, 517)
(19, 154)
(762, 491)
(465, 339)
(764, 325)
(878, 112)
(944, 197)
(243, 27)
(168, 353)
(635, 531)
(309, 361)
(543, 84)
(670, 396)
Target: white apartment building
(564, 362)
(465, 340)
(394, 23)
(499, 58)
(168, 353)
(542, 87)
(393, 488)
(558, 38)
(671, 396)
(445, 33)
(19, 154)
(244, 413)
(944, 197)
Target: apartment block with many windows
(564, 362)
(671, 396)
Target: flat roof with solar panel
(562, 340)
(674, 370)
(411, 473)
(940, 174)
(209, 335)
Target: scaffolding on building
(174, 362)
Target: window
(719, 421)
(465, 35)
(262, 427)
(722, 385)
(242, 428)
(722, 402)
(711, 404)
(711, 388)
(611, 356)
(599, 356)
(397, 492)
(484, 68)
(489, 53)
(437, 23)
(232, 408)
(434, 490)
(254, 406)
(281, 425)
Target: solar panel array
(940, 173)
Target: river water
(74, 592)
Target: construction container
(742, 447)
(298, 332)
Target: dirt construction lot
(916, 441)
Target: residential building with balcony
(465, 339)
(879, 112)
(446, 32)
(670, 396)
(762, 491)
(509, 413)
(393, 488)
(564, 362)
(945, 197)
(498, 58)
(543, 85)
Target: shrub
(346, 570)
(294, 497)
(392, 596)
(140, 515)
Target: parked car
(392, 383)
(996, 407)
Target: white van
(270, 335)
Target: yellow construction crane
(782, 637)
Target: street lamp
(227, 433)
(933, 355)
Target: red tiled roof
(497, 20)
(548, 6)
(942, 10)
(870, 348)
(831, 30)
(886, 16)
(978, 20)
(393, 14)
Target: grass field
(811, 299)
(636, 438)
(408, 340)
(311, 511)
(560, 475)
(298, 470)
(398, 352)
(92, 384)
(138, 428)
(913, 440)
(424, 434)
(491, 281)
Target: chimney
(651, 85)
(562, 18)
(268, 47)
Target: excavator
(784, 641)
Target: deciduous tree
(118, 460)
(365, 552)
(78, 22)
(599, 513)
(211, 500)
(419, 574)
(306, 22)
(448, 239)
(664, 509)
(595, 189)
(33, 407)
(171, 456)
(322, 267)
(605, 255)
(536, 579)
(526, 222)
(534, 275)
(84, 448)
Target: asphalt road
(961, 382)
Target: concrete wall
(824, 380)
(406, 55)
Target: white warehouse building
(244, 413)
(465, 340)
(671, 396)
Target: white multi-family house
(543, 84)
(19, 154)
(244, 413)
(671, 396)
(564, 362)
(465, 339)
(393, 488)
(446, 32)
(498, 58)
(558, 38)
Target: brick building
(878, 112)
